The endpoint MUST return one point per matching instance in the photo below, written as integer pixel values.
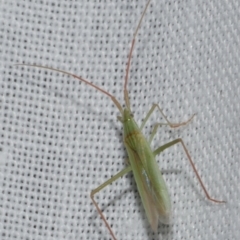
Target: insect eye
(119, 118)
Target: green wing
(150, 183)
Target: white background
(60, 138)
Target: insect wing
(150, 183)
(145, 192)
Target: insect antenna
(115, 101)
(126, 97)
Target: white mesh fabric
(60, 138)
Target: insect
(141, 158)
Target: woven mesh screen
(60, 138)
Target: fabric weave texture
(59, 138)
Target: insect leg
(179, 140)
(98, 189)
(154, 131)
(172, 125)
(155, 127)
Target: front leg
(171, 125)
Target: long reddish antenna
(126, 98)
(115, 101)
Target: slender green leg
(155, 127)
(179, 140)
(96, 190)
(172, 125)
(154, 131)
